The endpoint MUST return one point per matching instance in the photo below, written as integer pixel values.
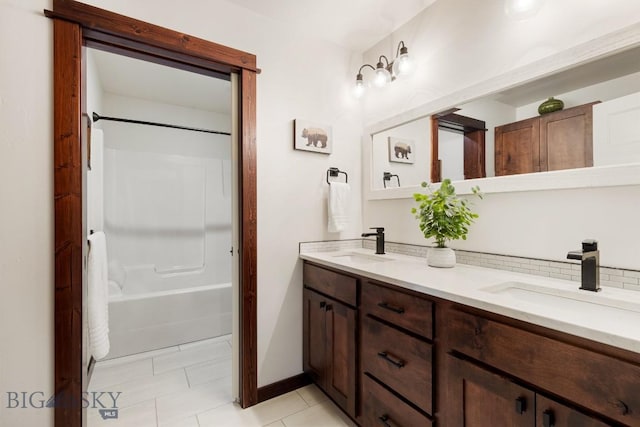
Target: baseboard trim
(283, 386)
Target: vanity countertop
(472, 286)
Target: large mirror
(499, 140)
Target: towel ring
(386, 176)
(334, 172)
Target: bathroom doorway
(160, 193)
(77, 26)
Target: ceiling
(355, 24)
(135, 78)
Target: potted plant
(443, 216)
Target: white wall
(26, 208)
(301, 77)
(458, 43)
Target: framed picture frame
(312, 136)
(402, 150)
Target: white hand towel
(98, 293)
(338, 206)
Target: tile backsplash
(615, 277)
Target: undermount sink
(360, 258)
(581, 303)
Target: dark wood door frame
(473, 131)
(76, 25)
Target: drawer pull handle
(521, 405)
(398, 363)
(322, 304)
(548, 420)
(328, 307)
(623, 409)
(386, 421)
(398, 310)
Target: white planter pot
(441, 257)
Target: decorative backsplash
(614, 277)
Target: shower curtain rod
(97, 117)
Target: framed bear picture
(312, 136)
(401, 150)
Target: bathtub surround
(155, 319)
(164, 197)
(609, 276)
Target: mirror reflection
(401, 155)
(506, 134)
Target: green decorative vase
(550, 105)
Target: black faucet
(590, 258)
(379, 239)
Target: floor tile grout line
(157, 419)
(187, 376)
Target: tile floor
(190, 386)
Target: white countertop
(466, 284)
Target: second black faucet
(379, 239)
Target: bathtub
(151, 311)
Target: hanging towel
(338, 206)
(98, 293)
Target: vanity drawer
(398, 360)
(406, 311)
(381, 406)
(605, 384)
(336, 285)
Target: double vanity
(396, 343)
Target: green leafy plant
(442, 214)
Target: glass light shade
(383, 77)
(522, 9)
(358, 89)
(402, 65)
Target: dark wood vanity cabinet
(392, 357)
(330, 332)
(554, 141)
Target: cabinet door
(340, 374)
(479, 398)
(566, 139)
(314, 347)
(517, 147)
(550, 413)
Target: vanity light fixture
(385, 72)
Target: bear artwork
(402, 150)
(315, 136)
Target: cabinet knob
(322, 304)
(548, 419)
(329, 307)
(521, 405)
